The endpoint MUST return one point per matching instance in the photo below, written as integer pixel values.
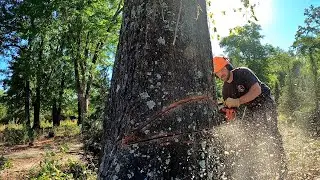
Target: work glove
(230, 102)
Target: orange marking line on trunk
(174, 105)
(133, 138)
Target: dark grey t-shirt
(243, 79)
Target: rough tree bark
(54, 112)
(27, 103)
(27, 111)
(37, 102)
(79, 88)
(36, 118)
(161, 105)
(61, 91)
(56, 105)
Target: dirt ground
(24, 157)
(303, 154)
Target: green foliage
(247, 9)
(218, 87)
(3, 108)
(67, 128)
(15, 134)
(15, 95)
(64, 148)
(44, 124)
(77, 170)
(92, 135)
(294, 91)
(284, 72)
(60, 47)
(307, 45)
(93, 125)
(3, 113)
(2, 127)
(5, 163)
(245, 49)
(293, 81)
(52, 168)
(69, 107)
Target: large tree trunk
(161, 101)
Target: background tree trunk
(39, 76)
(61, 90)
(55, 115)
(36, 119)
(27, 111)
(162, 95)
(27, 103)
(80, 93)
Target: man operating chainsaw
(242, 87)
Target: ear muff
(229, 67)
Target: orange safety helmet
(219, 62)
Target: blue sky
(287, 16)
(3, 65)
(279, 19)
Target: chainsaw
(229, 113)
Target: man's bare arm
(253, 92)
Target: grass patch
(5, 163)
(45, 124)
(2, 127)
(52, 167)
(15, 134)
(67, 128)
